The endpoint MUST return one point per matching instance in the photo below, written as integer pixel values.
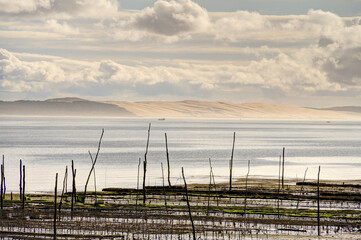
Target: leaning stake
(166, 148)
(93, 165)
(165, 196)
(245, 198)
(189, 207)
(145, 165)
(64, 188)
(231, 163)
(136, 200)
(301, 190)
(95, 180)
(209, 190)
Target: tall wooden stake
(214, 181)
(231, 163)
(283, 167)
(55, 208)
(165, 196)
(136, 200)
(245, 198)
(73, 192)
(166, 148)
(95, 180)
(145, 165)
(1, 194)
(189, 206)
(318, 202)
(279, 187)
(21, 180)
(4, 183)
(94, 162)
(64, 188)
(209, 187)
(301, 190)
(23, 187)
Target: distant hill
(162, 109)
(354, 109)
(62, 107)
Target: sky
(292, 52)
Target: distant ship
(161, 119)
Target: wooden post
(64, 188)
(73, 192)
(166, 147)
(189, 207)
(165, 196)
(318, 202)
(4, 183)
(214, 181)
(95, 188)
(55, 208)
(283, 167)
(144, 175)
(136, 200)
(231, 163)
(245, 198)
(23, 187)
(301, 190)
(210, 185)
(279, 187)
(93, 165)
(21, 180)
(145, 165)
(95, 180)
(1, 194)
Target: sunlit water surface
(47, 145)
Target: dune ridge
(167, 109)
(206, 109)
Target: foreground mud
(260, 210)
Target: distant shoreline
(188, 109)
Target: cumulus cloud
(172, 18)
(314, 53)
(233, 28)
(285, 73)
(61, 8)
(343, 66)
(340, 43)
(61, 27)
(17, 75)
(21, 6)
(298, 72)
(330, 63)
(99, 9)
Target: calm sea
(47, 146)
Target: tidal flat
(253, 209)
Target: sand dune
(205, 109)
(160, 109)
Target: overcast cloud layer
(176, 50)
